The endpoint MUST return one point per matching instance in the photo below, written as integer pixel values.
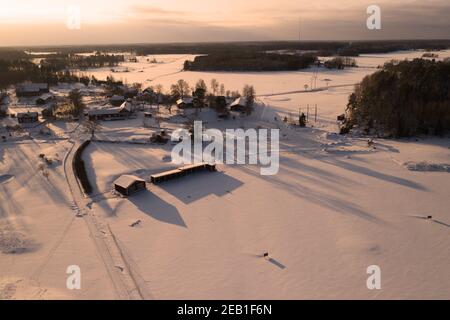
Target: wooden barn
(31, 89)
(185, 103)
(116, 113)
(127, 185)
(239, 105)
(181, 172)
(27, 117)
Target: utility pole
(315, 114)
(307, 113)
(299, 29)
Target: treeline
(327, 47)
(250, 61)
(403, 99)
(74, 61)
(51, 70)
(80, 169)
(17, 71)
(340, 63)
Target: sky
(55, 22)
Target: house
(239, 105)
(148, 90)
(186, 102)
(117, 100)
(126, 185)
(27, 117)
(45, 98)
(116, 113)
(129, 92)
(31, 89)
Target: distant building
(129, 92)
(117, 100)
(27, 117)
(186, 102)
(117, 113)
(127, 185)
(239, 105)
(31, 89)
(45, 98)
(148, 90)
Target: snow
(336, 206)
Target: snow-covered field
(336, 206)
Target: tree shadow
(152, 205)
(376, 174)
(196, 186)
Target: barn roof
(239, 102)
(125, 181)
(31, 87)
(185, 100)
(104, 111)
(126, 106)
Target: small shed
(239, 105)
(31, 89)
(27, 117)
(185, 102)
(127, 185)
(45, 98)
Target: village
(88, 179)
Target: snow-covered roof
(186, 100)
(46, 96)
(241, 101)
(31, 87)
(125, 181)
(104, 111)
(127, 106)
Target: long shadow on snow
(157, 208)
(198, 185)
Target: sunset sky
(44, 22)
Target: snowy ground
(336, 206)
(39, 233)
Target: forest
(250, 61)
(403, 99)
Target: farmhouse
(186, 102)
(117, 113)
(27, 117)
(45, 98)
(239, 105)
(31, 89)
(127, 185)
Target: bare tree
(180, 89)
(214, 86)
(201, 85)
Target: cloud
(202, 20)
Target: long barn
(180, 172)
